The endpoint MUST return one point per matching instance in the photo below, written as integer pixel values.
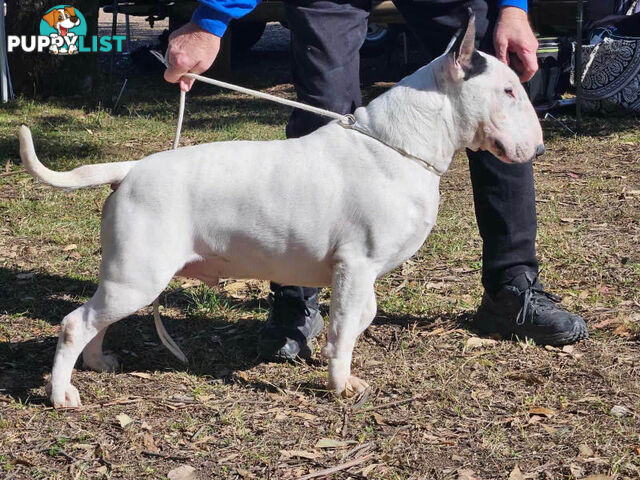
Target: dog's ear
(51, 17)
(464, 61)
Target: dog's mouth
(63, 31)
(500, 151)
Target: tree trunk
(43, 74)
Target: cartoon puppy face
(62, 19)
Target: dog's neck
(416, 116)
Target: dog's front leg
(353, 307)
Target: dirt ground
(443, 404)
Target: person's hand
(191, 50)
(513, 35)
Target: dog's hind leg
(115, 299)
(353, 307)
(93, 358)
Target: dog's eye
(509, 91)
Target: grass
(439, 407)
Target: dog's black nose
(540, 150)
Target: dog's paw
(354, 386)
(64, 398)
(102, 363)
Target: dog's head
(62, 19)
(489, 101)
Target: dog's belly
(289, 271)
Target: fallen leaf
(228, 458)
(124, 419)
(306, 416)
(379, 419)
(605, 323)
(366, 471)
(585, 450)
(622, 331)
(620, 411)
(550, 430)
(477, 342)
(149, 443)
(516, 474)
(287, 454)
(140, 375)
(535, 419)
(467, 474)
(235, 288)
(568, 349)
(530, 378)
(102, 470)
(184, 472)
(71, 246)
(244, 473)
(190, 283)
(576, 470)
(545, 412)
(330, 443)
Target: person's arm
(521, 4)
(513, 35)
(214, 16)
(194, 47)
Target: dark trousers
(325, 40)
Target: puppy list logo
(63, 31)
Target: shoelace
(528, 300)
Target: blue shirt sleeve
(214, 15)
(513, 3)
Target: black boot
(294, 320)
(522, 308)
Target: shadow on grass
(215, 346)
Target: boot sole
(488, 323)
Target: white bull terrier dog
(242, 209)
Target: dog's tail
(85, 176)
